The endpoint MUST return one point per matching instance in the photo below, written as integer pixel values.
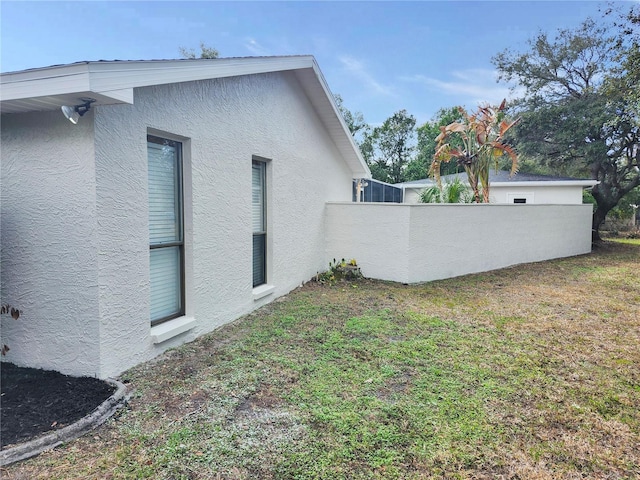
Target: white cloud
(357, 69)
(470, 86)
(256, 48)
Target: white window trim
(172, 328)
(187, 212)
(262, 291)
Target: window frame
(263, 233)
(161, 140)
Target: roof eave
(113, 82)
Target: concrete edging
(36, 446)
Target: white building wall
(417, 243)
(504, 193)
(412, 195)
(554, 194)
(226, 122)
(49, 235)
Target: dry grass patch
(527, 372)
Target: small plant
(7, 309)
(455, 191)
(342, 270)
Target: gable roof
(112, 82)
(502, 178)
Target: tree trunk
(606, 199)
(599, 215)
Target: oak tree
(580, 111)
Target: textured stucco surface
(75, 251)
(405, 243)
(75, 254)
(223, 124)
(49, 233)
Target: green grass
(628, 241)
(528, 372)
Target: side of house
(151, 222)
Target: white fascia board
(44, 82)
(116, 80)
(106, 76)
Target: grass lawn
(530, 372)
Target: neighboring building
(521, 188)
(189, 193)
(371, 190)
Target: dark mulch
(34, 401)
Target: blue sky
(380, 56)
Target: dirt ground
(34, 402)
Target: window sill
(262, 291)
(172, 328)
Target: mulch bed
(33, 401)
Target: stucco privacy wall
(223, 123)
(49, 234)
(417, 243)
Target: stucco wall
(49, 232)
(223, 124)
(540, 194)
(416, 243)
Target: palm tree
(451, 192)
(482, 136)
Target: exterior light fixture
(73, 114)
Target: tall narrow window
(166, 237)
(259, 222)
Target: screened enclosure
(377, 191)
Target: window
(259, 222)
(166, 229)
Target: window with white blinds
(166, 242)
(258, 222)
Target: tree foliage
(205, 52)
(389, 147)
(418, 167)
(580, 107)
(455, 191)
(354, 120)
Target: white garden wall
(418, 243)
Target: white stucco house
(144, 203)
(520, 188)
(188, 193)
